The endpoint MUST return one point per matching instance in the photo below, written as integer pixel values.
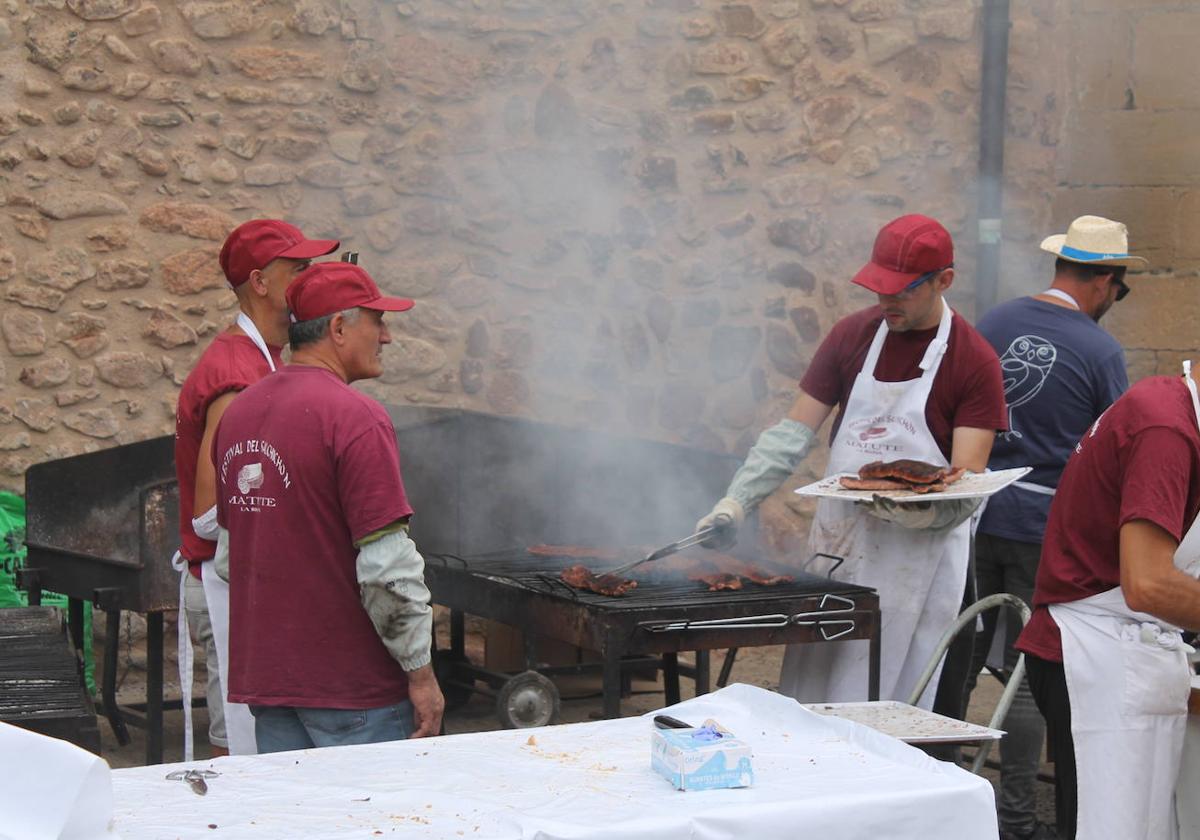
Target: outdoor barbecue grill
(102, 527)
(658, 617)
(484, 488)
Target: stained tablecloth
(814, 777)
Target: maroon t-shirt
(1140, 460)
(306, 465)
(968, 390)
(232, 362)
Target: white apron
(920, 575)
(239, 723)
(1128, 681)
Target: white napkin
(52, 789)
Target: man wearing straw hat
(1061, 371)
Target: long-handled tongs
(687, 542)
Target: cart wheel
(445, 665)
(527, 700)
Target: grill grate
(38, 675)
(540, 573)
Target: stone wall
(641, 215)
(1133, 116)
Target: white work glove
(923, 515)
(205, 525)
(775, 456)
(726, 516)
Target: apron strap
(1191, 386)
(933, 353)
(184, 653)
(937, 347)
(1035, 488)
(251, 331)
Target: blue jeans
(281, 728)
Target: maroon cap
(255, 243)
(905, 249)
(329, 287)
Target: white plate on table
(975, 486)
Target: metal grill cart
(102, 527)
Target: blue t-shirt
(1061, 371)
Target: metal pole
(993, 81)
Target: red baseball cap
(255, 243)
(905, 249)
(329, 287)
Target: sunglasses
(908, 290)
(1122, 289)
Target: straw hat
(1093, 240)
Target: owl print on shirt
(1025, 367)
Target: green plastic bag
(12, 557)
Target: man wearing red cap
(912, 380)
(330, 618)
(260, 258)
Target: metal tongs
(194, 778)
(667, 550)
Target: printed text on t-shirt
(255, 445)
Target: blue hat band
(1089, 256)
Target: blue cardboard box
(701, 758)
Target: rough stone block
(220, 19)
(1166, 62)
(886, 41)
(191, 272)
(101, 9)
(198, 221)
(788, 45)
(141, 21)
(93, 422)
(739, 20)
(1161, 313)
(955, 24)
(1131, 147)
(24, 333)
(271, 63)
(46, 373)
(1100, 77)
(1188, 224)
(176, 56)
(720, 59)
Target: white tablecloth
(815, 777)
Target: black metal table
(658, 618)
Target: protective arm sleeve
(221, 558)
(775, 456)
(391, 583)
